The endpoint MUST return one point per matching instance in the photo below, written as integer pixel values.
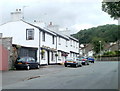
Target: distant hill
(108, 33)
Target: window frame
(43, 36)
(53, 39)
(28, 35)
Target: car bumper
(71, 64)
(21, 66)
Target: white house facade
(67, 46)
(46, 45)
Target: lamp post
(100, 50)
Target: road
(100, 75)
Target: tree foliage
(112, 8)
(108, 33)
(98, 44)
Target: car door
(77, 60)
(30, 61)
(34, 63)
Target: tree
(97, 45)
(108, 33)
(112, 8)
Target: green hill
(108, 33)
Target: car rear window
(68, 59)
(23, 59)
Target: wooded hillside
(107, 33)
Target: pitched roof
(45, 30)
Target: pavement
(15, 76)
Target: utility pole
(100, 50)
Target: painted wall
(17, 30)
(3, 58)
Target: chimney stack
(17, 15)
(50, 23)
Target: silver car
(73, 62)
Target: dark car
(26, 63)
(92, 60)
(84, 60)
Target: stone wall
(108, 59)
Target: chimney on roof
(50, 23)
(17, 15)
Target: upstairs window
(53, 39)
(30, 34)
(43, 36)
(71, 43)
(59, 41)
(66, 43)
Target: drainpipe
(56, 49)
(39, 45)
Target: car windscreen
(68, 60)
(23, 59)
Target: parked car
(92, 60)
(84, 61)
(73, 62)
(26, 63)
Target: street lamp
(100, 50)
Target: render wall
(6, 52)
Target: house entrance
(48, 57)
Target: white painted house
(46, 44)
(32, 38)
(67, 46)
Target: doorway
(48, 57)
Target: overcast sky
(72, 14)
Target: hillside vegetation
(107, 33)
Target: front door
(48, 57)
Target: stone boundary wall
(108, 59)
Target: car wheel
(38, 66)
(76, 65)
(65, 65)
(81, 65)
(28, 67)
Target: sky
(75, 15)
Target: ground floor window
(51, 56)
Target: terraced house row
(46, 44)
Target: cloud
(72, 14)
(78, 27)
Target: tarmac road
(100, 75)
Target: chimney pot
(50, 23)
(34, 20)
(19, 9)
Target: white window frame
(30, 34)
